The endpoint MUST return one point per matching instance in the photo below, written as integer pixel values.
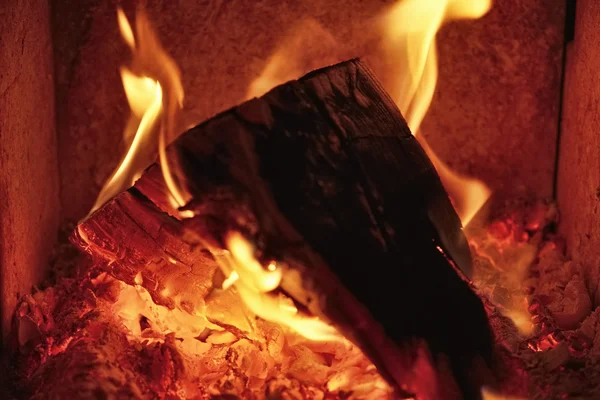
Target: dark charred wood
(324, 174)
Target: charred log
(324, 174)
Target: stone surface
(494, 115)
(29, 203)
(578, 189)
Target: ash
(89, 335)
(98, 337)
(542, 305)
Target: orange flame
(508, 259)
(135, 301)
(487, 394)
(410, 30)
(410, 27)
(254, 284)
(295, 56)
(155, 95)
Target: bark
(323, 174)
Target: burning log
(322, 175)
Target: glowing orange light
(410, 29)
(254, 282)
(487, 394)
(293, 57)
(512, 258)
(155, 96)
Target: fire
(134, 302)
(254, 284)
(504, 257)
(487, 394)
(410, 28)
(294, 57)
(155, 95)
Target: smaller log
(139, 243)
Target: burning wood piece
(323, 178)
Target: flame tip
(411, 27)
(125, 28)
(155, 96)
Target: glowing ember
(504, 251)
(132, 347)
(410, 28)
(135, 303)
(544, 343)
(267, 346)
(502, 264)
(155, 70)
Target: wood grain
(323, 174)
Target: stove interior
(500, 95)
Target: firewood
(139, 241)
(323, 174)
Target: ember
(181, 326)
(307, 244)
(134, 347)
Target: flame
(410, 30)
(155, 95)
(521, 317)
(503, 269)
(254, 284)
(409, 33)
(257, 287)
(487, 394)
(295, 56)
(135, 302)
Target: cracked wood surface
(324, 174)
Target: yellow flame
(155, 95)
(251, 271)
(254, 284)
(509, 261)
(410, 30)
(522, 320)
(125, 29)
(277, 71)
(145, 97)
(135, 301)
(487, 394)
(295, 56)
(410, 27)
